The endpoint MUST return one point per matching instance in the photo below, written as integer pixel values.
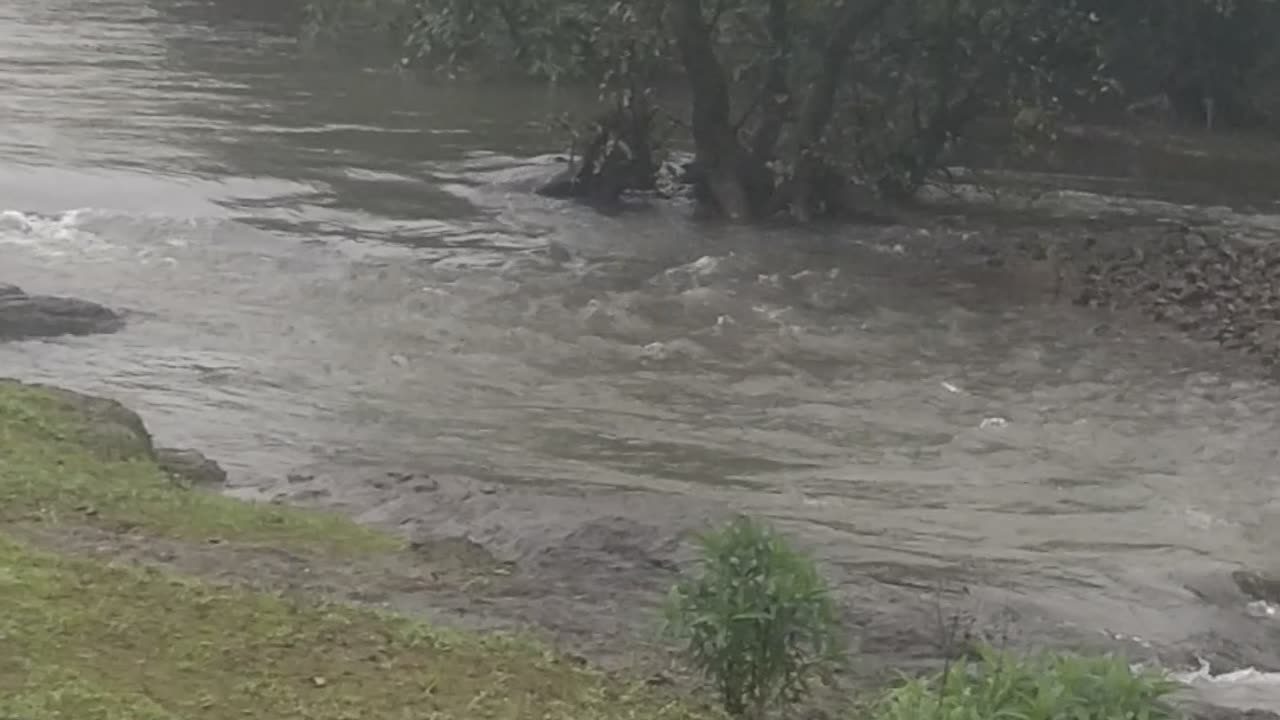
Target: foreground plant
(757, 619)
(1049, 687)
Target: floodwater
(331, 271)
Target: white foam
(1244, 689)
(1204, 675)
(14, 221)
(56, 236)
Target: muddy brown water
(333, 273)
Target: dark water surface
(340, 268)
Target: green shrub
(757, 619)
(1048, 687)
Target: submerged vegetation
(809, 108)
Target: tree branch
(775, 92)
(820, 103)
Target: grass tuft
(1044, 687)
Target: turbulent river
(329, 271)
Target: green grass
(85, 641)
(1042, 687)
(56, 465)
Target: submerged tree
(799, 107)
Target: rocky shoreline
(1209, 283)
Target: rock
(558, 252)
(563, 184)
(24, 316)
(1257, 585)
(599, 190)
(190, 466)
(1204, 711)
(109, 429)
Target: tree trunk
(819, 105)
(732, 180)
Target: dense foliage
(808, 106)
(1206, 62)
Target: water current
(341, 268)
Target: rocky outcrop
(24, 316)
(190, 467)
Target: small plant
(1048, 687)
(757, 620)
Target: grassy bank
(65, 460)
(86, 640)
